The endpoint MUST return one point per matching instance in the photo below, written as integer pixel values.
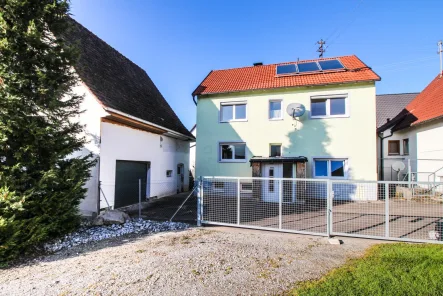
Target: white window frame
(275, 144)
(281, 109)
(329, 159)
(233, 111)
(246, 190)
(328, 106)
(231, 160)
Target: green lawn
(389, 269)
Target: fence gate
(382, 210)
(288, 205)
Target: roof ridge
(284, 63)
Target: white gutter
(170, 132)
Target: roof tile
(264, 77)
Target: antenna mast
(440, 51)
(320, 49)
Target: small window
(394, 147)
(169, 173)
(232, 152)
(232, 112)
(406, 146)
(271, 182)
(246, 187)
(275, 150)
(275, 111)
(328, 107)
(330, 168)
(218, 185)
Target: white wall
(425, 149)
(192, 150)
(90, 118)
(124, 143)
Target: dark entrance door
(127, 175)
(287, 185)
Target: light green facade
(350, 137)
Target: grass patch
(389, 269)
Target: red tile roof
(429, 103)
(264, 77)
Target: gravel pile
(97, 233)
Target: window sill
(233, 161)
(330, 178)
(237, 120)
(394, 154)
(275, 119)
(329, 116)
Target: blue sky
(179, 42)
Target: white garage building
(129, 126)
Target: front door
(271, 187)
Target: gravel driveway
(208, 261)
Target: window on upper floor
(324, 107)
(394, 147)
(330, 168)
(275, 110)
(275, 150)
(232, 152)
(233, 112)
(405, 146)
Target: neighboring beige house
(129, 126)
(415, 133)
(246, 125)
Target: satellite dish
(398, 166)
(296, 109)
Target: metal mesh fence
(408, 211)
(269, 203)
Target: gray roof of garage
(389, 105)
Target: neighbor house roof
(426, 106)
(264, 77)
(118, 83)
(389, 105)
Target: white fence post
(280, 204)
(238, 201)
(199, 201)
(139, 198)
(386, 209)
(329, 203)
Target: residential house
(130, 128)
(416, 134)
(388, 106)
(247, 127)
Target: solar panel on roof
(330, 65)
(308, 67)
(286, 69)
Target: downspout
(195, 102)
(382, 173)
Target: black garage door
(126, 182)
